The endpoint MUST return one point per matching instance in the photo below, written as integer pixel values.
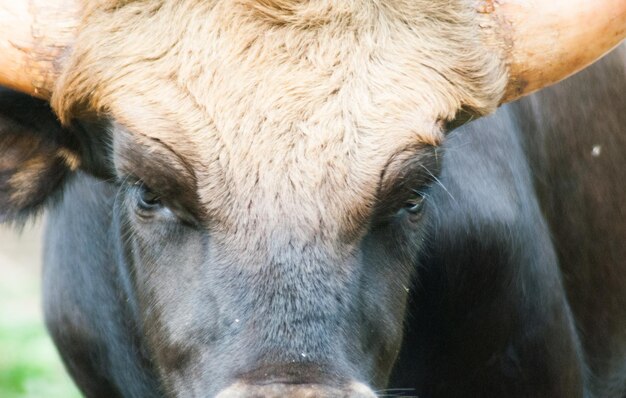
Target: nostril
(241, 390)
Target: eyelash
(147, 200)
(415, 203)
(149, 205)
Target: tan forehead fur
(283, 107)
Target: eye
(147, 200)
(415, 203)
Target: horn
(34, 38)
(546, 41)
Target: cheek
(390, 255)
(183, 318)
(178, 305)
(383, 310)
(167, 271)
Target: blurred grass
(30, 366)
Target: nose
(241, 390)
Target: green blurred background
(29, 364)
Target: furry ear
(36, 155)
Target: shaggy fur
(263, 95)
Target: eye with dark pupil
(148, 200)
(414, 204)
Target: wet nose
(241, 390)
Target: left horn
(546, 41)
(34, 37)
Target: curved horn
(549, 40)
(34, 36)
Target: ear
(36, 155)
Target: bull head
(270, 161)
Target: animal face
(272, 181)
(268, 283)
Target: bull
(260, 198)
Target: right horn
(34, 38)
(546, 41)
